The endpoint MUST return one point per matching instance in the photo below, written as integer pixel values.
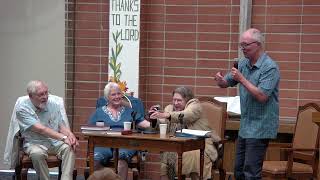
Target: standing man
(258, 78)
(44, 131)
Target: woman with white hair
(114, 114)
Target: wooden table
(150, 142)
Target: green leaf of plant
(118, 34)
(118, 76)
(111, 65)
(114, 37)
(117, 49)
(118, 67)
(113, 54)
(120, 48)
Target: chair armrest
(301, 149)
(290, 157)
(21, 153)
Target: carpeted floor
(9, 176)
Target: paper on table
(222, 99)
(194, 132)
(233, 104)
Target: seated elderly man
(44, 131)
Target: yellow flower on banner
(122, 84)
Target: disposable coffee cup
(163, 129)
(127, 126)
(99, 123)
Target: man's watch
(64, 138)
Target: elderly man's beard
(42, 105)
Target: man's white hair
(33, 85)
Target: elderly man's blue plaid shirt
(259, 120)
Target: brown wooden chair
(303, 153)
(216, 113)
(24, 162)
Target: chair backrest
(307, 133)
(128, 101)
(216, 113)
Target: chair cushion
(279, 167)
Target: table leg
(116, 158)
(201, 163)
(179, 166)
(91, 156)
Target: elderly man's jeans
(249, 158)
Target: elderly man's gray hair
(33, 85)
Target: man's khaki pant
(39, 153)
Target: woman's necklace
(114, 113)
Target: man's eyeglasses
(42, 94)
(245, 45)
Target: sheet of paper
(222, 98)
(194, 132)
(233, 104)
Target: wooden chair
(24, 162)
(216, 113)
(303, 153)
(136, 160)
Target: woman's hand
(153, 109)
(144, 124)
(161, 115)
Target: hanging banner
(124, 39)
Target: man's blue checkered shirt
(259, 120)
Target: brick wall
(186, 43)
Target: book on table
(95, 128)
(99, 130)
